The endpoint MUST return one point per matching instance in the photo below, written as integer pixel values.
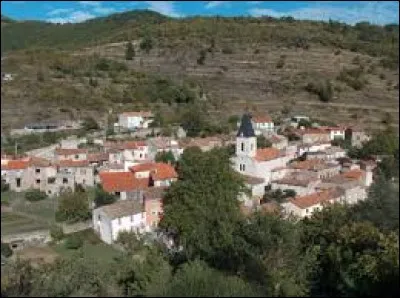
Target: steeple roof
(246, 128)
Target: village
(300, 169)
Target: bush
(227, 50)
(6, 250)
(202, 57)
(103, 198)
(353, 78)
(337, 52)
(382, 76)
(130, 52)
(73, 242)
(146, 44)
(281, 63)
(34, 195)
(323, 89)
(56, 233)
(90, 124)
(4, 186)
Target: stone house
(135, 120)
(81, 170)
(71, 154)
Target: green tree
(103, 198)
(147, 43)
(208, 188)
(196, 279)
(17, 279)
(130, 51)
(89, 124)
(4, 186)
(6, 250)
(202, 57)
(73, 207)
(73, 242)
(165, 156)
(263, 142)
(56, 233)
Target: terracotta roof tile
(252, 180)
(266, 154)
(73, 163)
(138, 114)
(16, 165)
(121, 181)
(96, 157)
(261, 119)
(317, 198)
(159, 171)
(353, 174)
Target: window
(240, 167)
(37, 181)
(117, 193)
(51, 180)
(84, 181)
(37, 170)
(18, 181)
(140, 155)
(244, 168)
(306, 210)
(76, 156)
(65, 180)
(99, 217)
(242, 146)
(132, 219)
(49, 192)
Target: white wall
(129, 224)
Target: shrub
(73, 242)
(90, 124)
(353, 78)
(6, 250)
(202, 57)
(323, 89)
(4, 186)
(227, 50)
(337, 52)
(281, 63)
(382, 76)
(34, 195)
(130, 51)
(103, 198)
(146, 44)
(56, 233)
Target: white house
(262, 123)
(125, 215)
(304, 206)
(135, 120)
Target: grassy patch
(12, 223)
(92, 247)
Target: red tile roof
(122, 181)
(118, 146)
(261, 119)
(316, 198)
(266, 154)
(353, 174)
(73, 163)
(16, 165)
(64, 151)
(159, 170)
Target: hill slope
(265, 63)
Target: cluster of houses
(128, 170)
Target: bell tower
(246, 141)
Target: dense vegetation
(363, 37)
(340, 251)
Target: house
(302, 183)
(153, 202)
(305, 205)
(321, 168)
(164, 144)
(160, 174)
(205, 144)
(278, 141)
(135, 120)
(98, 159)
(124, 215)
(251, 161)
(335, 132)
(262, 124)
(256, 186)
(120, 183)
(295, 120)
(312, 148)
(71, 154)
(313, 135)
(81, 170)
(131, 151)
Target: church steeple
(246, 127)
(246, 141)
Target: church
(255, 164)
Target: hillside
(262, 63)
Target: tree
(130, 51)
(263, 142)
(355, 258)
(381, 207)
(196, 279)
(165, 156)
(73, 207)
(202, 207)
(56, 233)
(34, 195)
(193, 122)
(89, 124)
(4, 186)
(103, 198)
(202, 57)
(6, 251)
(146, 43)
(17, 279)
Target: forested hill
(363, 37)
